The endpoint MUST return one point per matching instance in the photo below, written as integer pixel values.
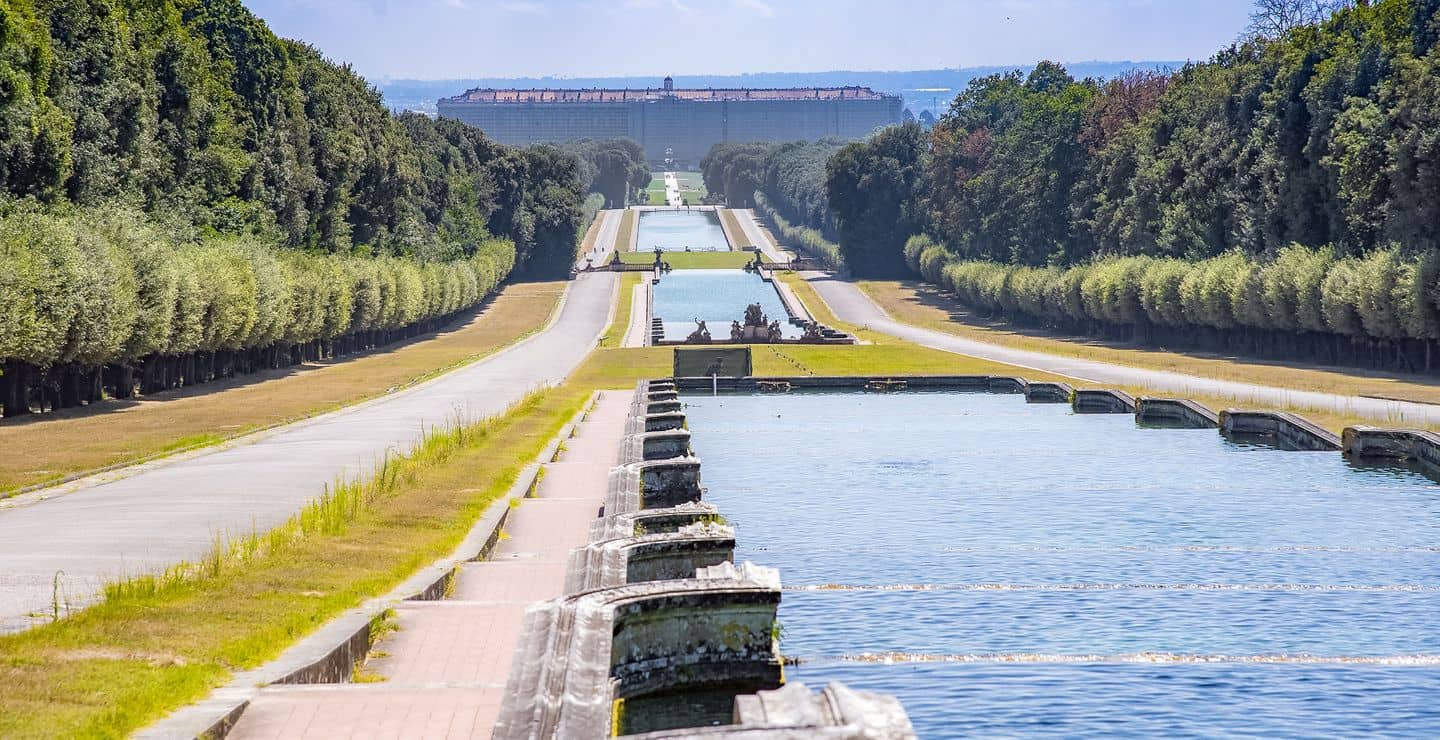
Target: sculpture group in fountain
(660, 265)
(757, 327)
(701, 335)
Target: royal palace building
(675, 124)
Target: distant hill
(926, 89)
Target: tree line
(1313, 135)
(614, 168)
(791, 177)
(92, 296)
(1380, 310)
(160, 137)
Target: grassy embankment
(55, 446)
(625, 235)
(898, 352)
(614, 334)
(157, 644)
(692, 188)
(733, 232)
(692, 260)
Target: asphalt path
(852, 306)
(65, 544)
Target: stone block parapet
(1180, 412)
(1102, 401)
(585, 657)
(1288, 431)
(660, 631)
(663, 407)
(1048, 393)
(618, 525)
(642, 446)
(1406, 445)
(658, 556)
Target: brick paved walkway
(442, 673)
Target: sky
(447, 39)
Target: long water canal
(1015, 569)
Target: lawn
(921, 304)
(733, 232)
(615, 333)
(116, 667)
(693, 260)
(625, 235)
(51, 447)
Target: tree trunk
(124, 381)
(69, 387)
(94, 384)
(17, 389)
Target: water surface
(1016, 569)
(717, 297)
(698, 231)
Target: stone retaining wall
(1406, 445)
(1288, 431)
(661, 632)
(1179, 412)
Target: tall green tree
(873, 188)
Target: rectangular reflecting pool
(1015, 569)
(717, 297)
(676, 231)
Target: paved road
(750, 224)
(171, 512)
(854, 307)
(604, 240)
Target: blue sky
(432, 39)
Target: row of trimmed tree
(104, 301)
(1381, 309)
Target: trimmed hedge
(1383, 300)
(108, 290)
(808, 240)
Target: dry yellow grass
(52, 447)
(593, 233)
(922, 305)
(615, 333)
(733, 232)
(625, 236)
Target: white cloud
(676, 5)
(758, 7)
(523, 7)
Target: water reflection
(697, 231)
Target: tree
(872, 188)
(1273, 19)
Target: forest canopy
(1310, 145)
(148, 144)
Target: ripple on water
(1150, 700)
(974, 535)
(698, 231)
